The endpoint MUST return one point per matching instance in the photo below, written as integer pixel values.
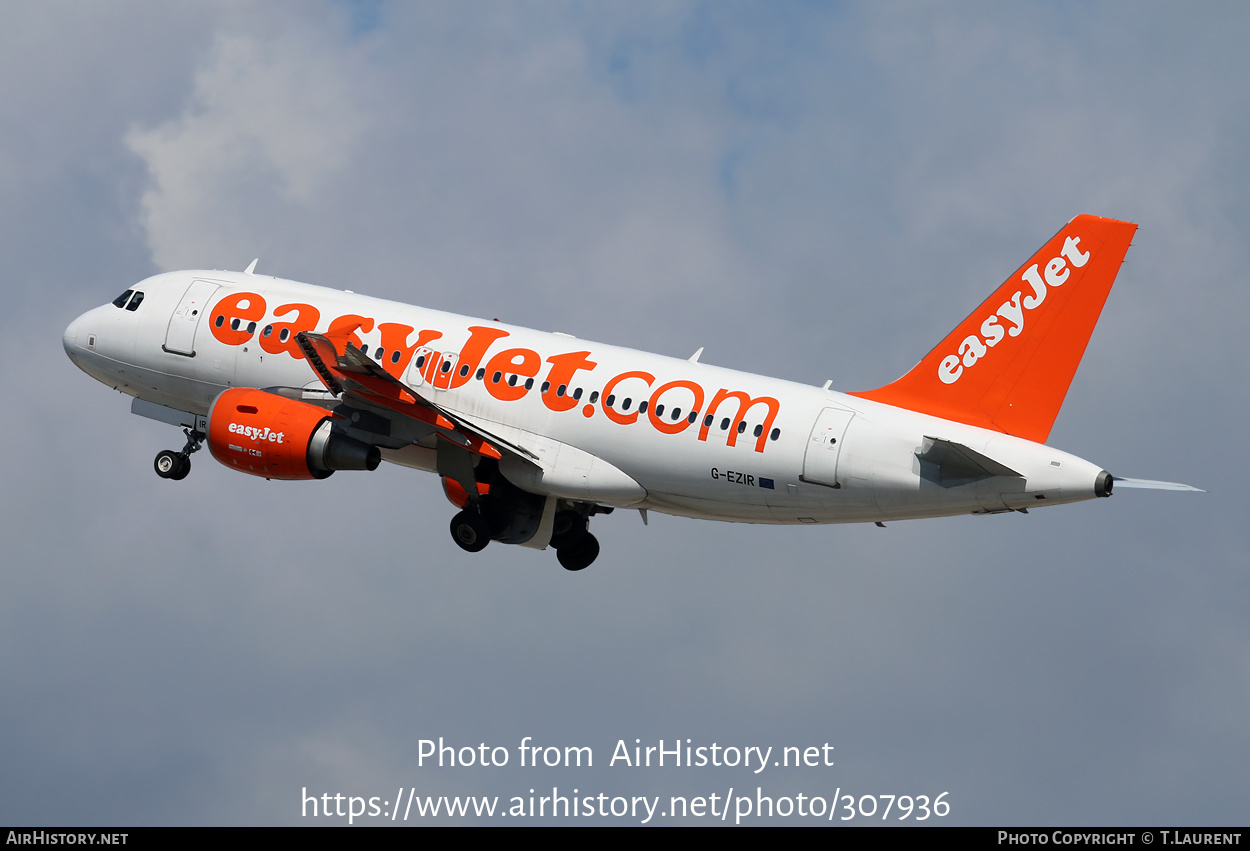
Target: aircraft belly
(571, 473)
(561, 469)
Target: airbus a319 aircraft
(535, 433)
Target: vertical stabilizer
(1008, 366)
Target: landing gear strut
(176, 465)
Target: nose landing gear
(176, 465)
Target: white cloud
(271, 121)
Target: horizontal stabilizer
(958, 464)
(1147, 484)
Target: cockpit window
(135, 301)
(121, 300)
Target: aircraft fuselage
(615, 426)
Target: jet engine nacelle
(273, 437)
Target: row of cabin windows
(562, 390)
(130, 299)
(626, 404)
(267, 331)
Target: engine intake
(266, 435)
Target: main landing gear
(176, 465)
(575, 547)
(470, 530)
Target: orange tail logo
(1008, 366)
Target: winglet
(1008, 366)
(251, 267)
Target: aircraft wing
(349, 373)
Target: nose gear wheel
(176, 465)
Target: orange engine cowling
(267, 435)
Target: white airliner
(535, 433)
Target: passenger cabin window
(529, 384)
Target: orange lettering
(480, 339)
(623, 419)
(745, 403)
(432, 360)
(274, 341)
(395, 339)
(563, 368)
(235, 316)
(523, 362)
(683, 423)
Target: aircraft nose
(76, 338)
(70, 338)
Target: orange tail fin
(1008, 366)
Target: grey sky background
(809, 191)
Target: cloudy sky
(812, 191)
